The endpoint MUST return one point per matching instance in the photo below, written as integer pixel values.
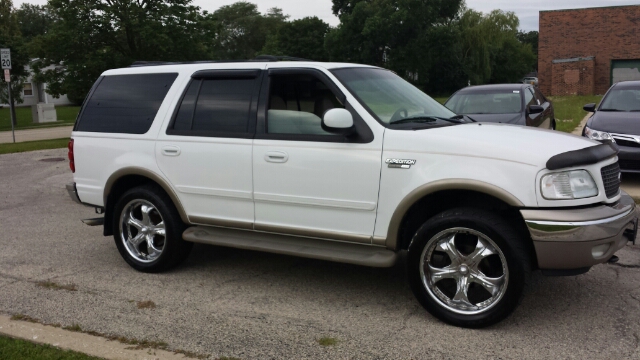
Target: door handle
(170, 151)
(276, 156)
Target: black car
(618, 119)
(517, 104)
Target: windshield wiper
(461, 116)
(610, 110)
(415, 119)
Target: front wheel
(468, 267)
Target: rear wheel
(468, 267)
(148, 230)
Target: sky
(527, 10)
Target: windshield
(622, 100)
(390, 98)
(485, 102)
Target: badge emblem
(400, 163)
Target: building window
(27, 89)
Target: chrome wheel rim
(464, 271)
(142, 230)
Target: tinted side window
(215, 106)
(125, 103)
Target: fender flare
(151, 176)
(391, 241)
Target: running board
(365, 255)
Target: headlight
(597, 135)
(575, 184)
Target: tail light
(72, 163)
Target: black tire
(174, 250)
(512, 245)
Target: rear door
(206, 149)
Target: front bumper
(629, 159)
(580, 238)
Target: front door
(206, 150)
(308, 181)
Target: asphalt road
(250, 305)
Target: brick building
(585, 51)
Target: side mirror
(535, 109)
(338, 121)
(590, 107)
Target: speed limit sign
(5, 58)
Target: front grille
(611, 179)
(629, 165)
(628, 143)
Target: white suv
(347, 163)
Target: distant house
(34, 92)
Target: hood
(515, 119)
(619, 122)
(521, 144)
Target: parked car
(618, 119)
(530, 81)
(347, 163)
(515, 104)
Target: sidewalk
(36, 134)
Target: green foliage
(238, 31)
(439, 45)
(530, 38)
(15, 349)
(11, 38)
(302, 38)
(34, 20)
(568, 110)
(92, 36)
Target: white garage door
(625, 70)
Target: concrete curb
(84, 343)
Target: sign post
(5, 61)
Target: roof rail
(279, 58)
(257, 59)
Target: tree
(390, 33)
(92, 36)
(239, 31)
(34, 20)
(530, 38)
(490, 50)
(11, 38)
(302, 38)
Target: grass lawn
(66, 116)
(568, 110)
(14, 349)
(441, 100)
(33, 145)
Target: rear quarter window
(125, 103)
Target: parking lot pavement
(250, 305)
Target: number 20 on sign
(5, 58)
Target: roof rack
(260, 58)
